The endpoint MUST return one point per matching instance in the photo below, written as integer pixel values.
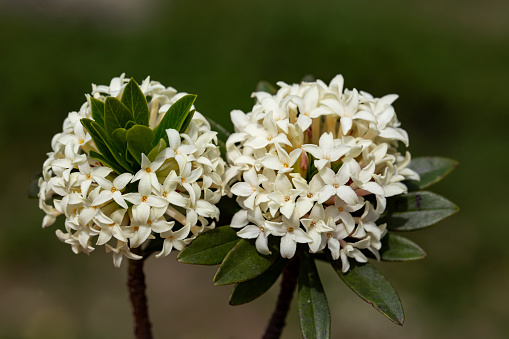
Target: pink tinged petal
(304, 161)
(326, 192)
(346, 124)
(177, 199)
(373, 187)
(334, 247)
(347, 194)
(249, 232)
(303, 206)
(288, 246)
(262, 244)
(117, 196)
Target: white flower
(172, 197)
(338, 147)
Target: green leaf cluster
(121, 132)
(253, 273)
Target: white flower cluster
(314, 164)
(172, 197)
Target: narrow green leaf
(117, 151)
(312, 170)
(369, 284)
(107, 162)
(116, 115)
(222, 133)
(97, 107)
(209, 248)
(431, 170)
(107, 157)
(187, 121)
(314, 311)
(175, 116)
(265, 86)
(134, 99)
(242, 263)
(398, 248)
(139, 140)
(417, 210)
(152, 155)
(249, 290)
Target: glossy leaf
(116, 115)
(117, 150)
(97, 107)
(156, 150)
(417, 210)
(187, 121)
(174, 117)
(249, 290)
(369, 284)
(106, 157)
(210, 248)
(107, 162)
(265, 86)
(130, 124)
(431, 171)
(398, 248)
(134, 99)
(120, 138)
(314, 311)
(243, 262)
(139, 140)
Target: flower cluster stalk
(288, 283)
(137, 287)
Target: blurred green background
(448, 61)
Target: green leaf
(369, 284)
(186, 122)
(312, 170)
(134, 99)
(431, 170)
(265, 86)
(107, 162)
(116, 115)
(249, 290)
(139, 140)
(152, 155)
(314, 311)
(175, 117)
(117, 150)
(130, 124)
(242, 263)
(98, 136)
(120, 139)
(222, 133)
(416, 210)
(97, 107)
(210, 248)
(398, 248)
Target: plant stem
(136, 285)
(288, 284)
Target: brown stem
(277, 321)
(136, 285)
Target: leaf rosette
(135, 168)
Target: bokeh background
(448, 61)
